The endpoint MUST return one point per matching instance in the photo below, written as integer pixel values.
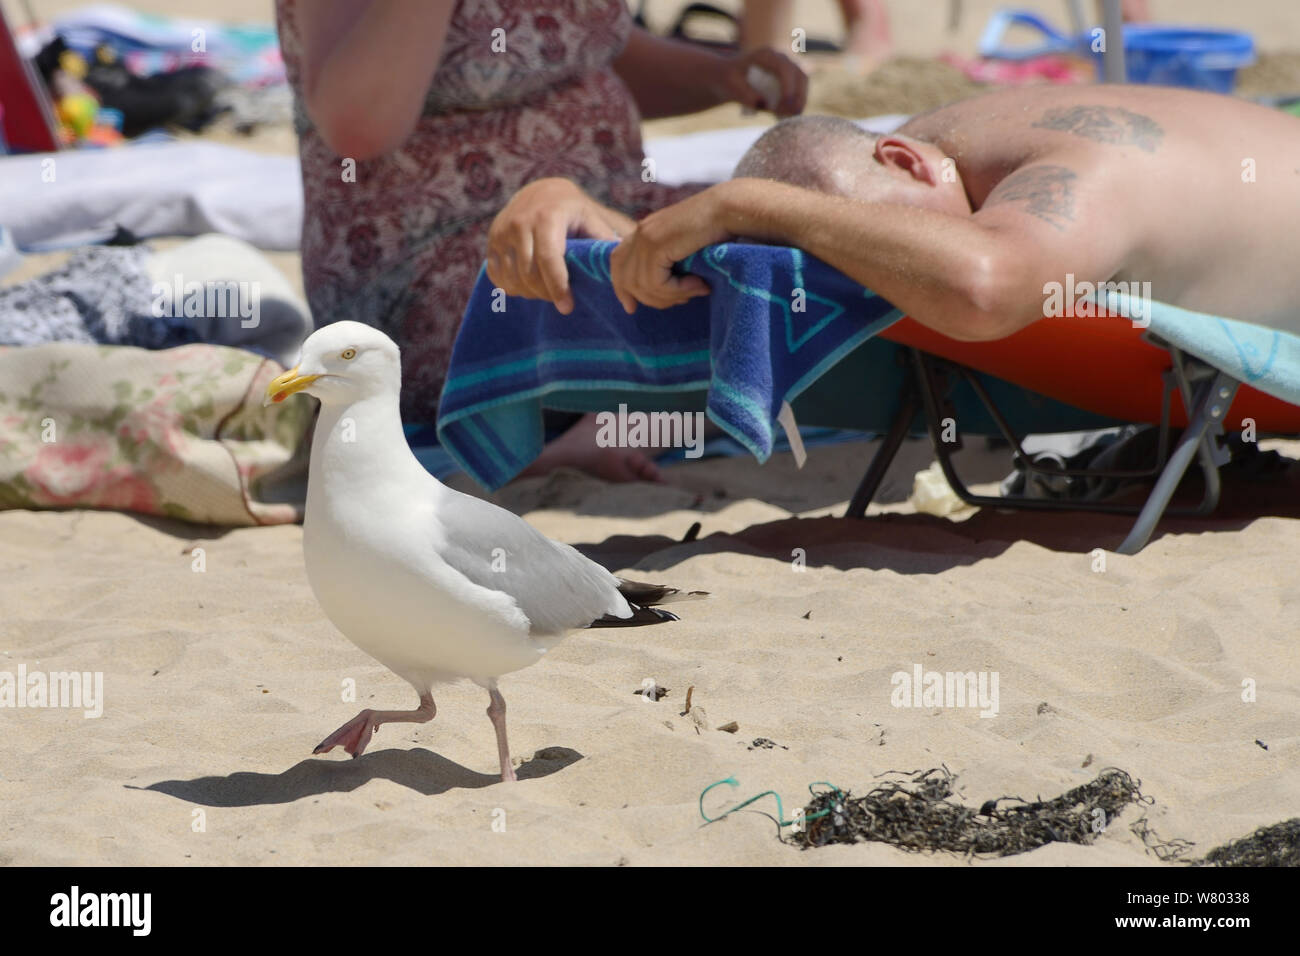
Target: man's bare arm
(1044, 191)
(973, 278)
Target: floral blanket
(177, 432)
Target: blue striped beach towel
(778, 326)
(776, 321)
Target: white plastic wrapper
(932, 495)
(766, 83)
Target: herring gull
(434, 584)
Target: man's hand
(526, 240)
(641, 265)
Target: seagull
(434, 584)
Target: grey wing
(556, 587)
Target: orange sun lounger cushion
(1100, 364)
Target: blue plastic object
(1202, 59)
(1195, 57)
(992, 44)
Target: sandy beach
(218, 684)
(1177, 665)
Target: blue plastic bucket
(1199, 58)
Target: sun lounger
(1202, 374)
(783, 329)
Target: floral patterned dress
(401, 246)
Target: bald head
(835, 156)
(825, 153)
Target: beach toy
(1049, 68)
(109, 118)
(73, 64)
(1199, 58)
(1054, 42)
(102, 136)
(77, 112)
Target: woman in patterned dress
(417, 121)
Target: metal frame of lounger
(1207, 394)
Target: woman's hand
(526, 240)
(784, 97)
(673, 78)
(641, 265)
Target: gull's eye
(348, 354)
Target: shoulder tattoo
(1046, 191)
(1112, 125)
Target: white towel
(711, 155)
(152, 189)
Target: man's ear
(901, 153)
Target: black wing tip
(646, 595)
(641, 616)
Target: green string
(780, 810)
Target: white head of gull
(434, 584)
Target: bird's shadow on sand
(421, 770)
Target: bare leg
(497, 713)
(766, 23)
(577, 448)
(1136, 11)
(356, 733)
(867, 24)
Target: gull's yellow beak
(282, 386)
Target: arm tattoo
(1046, 191)
(1112, 125)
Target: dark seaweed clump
(1276, 845)
(916, 812)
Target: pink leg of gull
(497, 713)
(356, 733)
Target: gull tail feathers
(650, 595)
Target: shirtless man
(964, 215)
